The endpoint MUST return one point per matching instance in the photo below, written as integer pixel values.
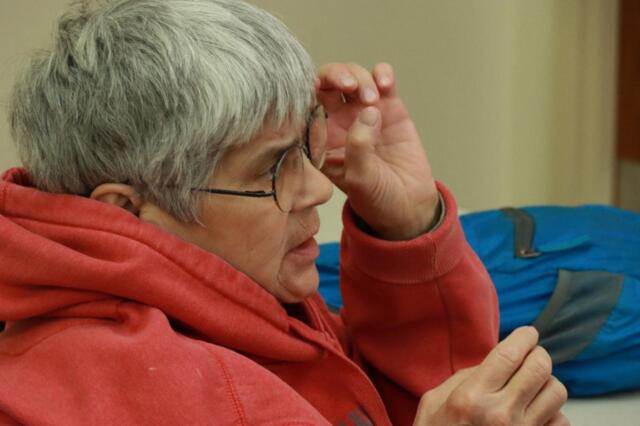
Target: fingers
(505, 359)
(363, 132)
(384, 76)
(338, 77)
(361, 145)
(334, 167)
(351, 82)
(530, 378)
(545, 408)
(367, 89)
(334, 80)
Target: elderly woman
(157, 256)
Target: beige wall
(629, 175)
(513, 98)
(25, 25)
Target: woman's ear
(126, 197)
(118, 194)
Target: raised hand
(374, 154)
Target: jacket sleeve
(5, 420)
(415, 311)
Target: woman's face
(275, 249)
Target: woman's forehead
(263, 143)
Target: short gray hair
(153, 92)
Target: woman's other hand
(512, 386)
(374, 153)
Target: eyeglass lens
(317, 137)
(289, 175)
(288, 178)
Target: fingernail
(369, 95)
(384, 81)
(369, 116)
(347, 81)
(534, 331)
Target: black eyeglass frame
(306, 149)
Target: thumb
(361, 141)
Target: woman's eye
(271, 171)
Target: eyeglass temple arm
(229, 192)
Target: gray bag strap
(576, 311)
(524, 230)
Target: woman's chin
(295, 286)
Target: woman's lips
(309, 249)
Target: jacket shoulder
(109, 372)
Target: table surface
(612, 410)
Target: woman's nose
(317, 189)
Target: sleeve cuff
(443, 212)
(424, 258)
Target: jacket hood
(60, 255)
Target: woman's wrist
(410, 232)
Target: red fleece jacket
(114, 321)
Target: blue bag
(572, 272)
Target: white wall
(514, 99)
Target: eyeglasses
(287, 174)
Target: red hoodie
(114, 321)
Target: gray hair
(153, 92)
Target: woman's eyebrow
(272, 152)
